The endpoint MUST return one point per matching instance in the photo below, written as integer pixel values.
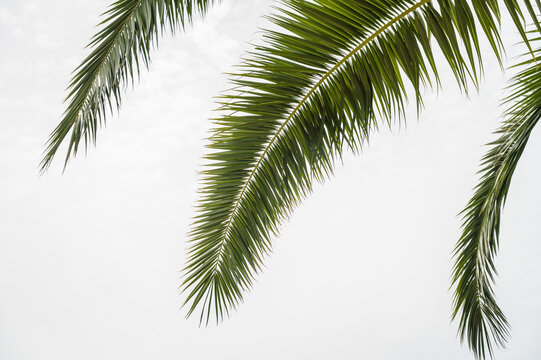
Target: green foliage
(320, 85)
(129, 31)
(474, 271)
(332, 73)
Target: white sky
(90, 260)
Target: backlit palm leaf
(474, 271)
(130, 29)
(338, 68)
(332, 73)
(320, 85)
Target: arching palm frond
(473, 275)
(130, 29)
(338, 69)
(334, 71)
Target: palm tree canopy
(319, 86)
(328, 75)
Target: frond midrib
(295, 110)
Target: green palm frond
(333, 72)
(129, 31)
(337, 70)
(481, 320)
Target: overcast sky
(90, 260)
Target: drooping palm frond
(482, 322)
(129, 31)
(320, 85)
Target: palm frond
(322, 84)
(482, 322)
(129, 31)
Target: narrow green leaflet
(129, 31)
(482, 322)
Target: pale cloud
(7, 17)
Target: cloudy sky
(90, 260)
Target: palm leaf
(129, 31)
(481, 320)
(320, 85)
(333, 72)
